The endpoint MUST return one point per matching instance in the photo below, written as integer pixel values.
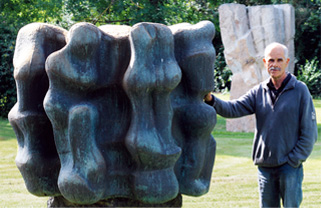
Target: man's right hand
(208, 97)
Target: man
(286, 128)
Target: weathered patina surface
(114, 115)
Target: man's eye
(280, 60)
(271, 60)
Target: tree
(13, 15)
(308, 32)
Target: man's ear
(264, 61)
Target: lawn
(234, 179)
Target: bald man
(286, 128)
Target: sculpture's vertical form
(70, 108)
(115, 110)
(83, 105)
(152, 74)
(193, 119)
(37, 157)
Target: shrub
(7, 86)
(222, 74)
(310, 74)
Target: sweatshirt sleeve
(243, 106)
(308, 131)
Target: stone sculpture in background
(120, 121)
(245, 32)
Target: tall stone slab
(114, 116)
(246, 31)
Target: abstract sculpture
(113, 115)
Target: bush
(7, 86)
(307, 33)
(222, 74)
(310, 74)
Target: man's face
(276, 63)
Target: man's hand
(208, 97)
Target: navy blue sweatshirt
(286, 129)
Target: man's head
(276, 60)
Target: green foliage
(7, 86)
(130, 12)
(222, 74)
(308, 31)
(13, 15)
(21, 12)
(310, 74)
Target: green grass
(13, 192)
(234, 178)
(6, 132)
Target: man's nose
(274, 63)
